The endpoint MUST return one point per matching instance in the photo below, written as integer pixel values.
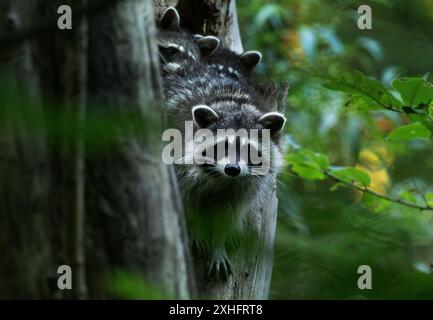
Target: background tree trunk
(109, 212)
(24, 175)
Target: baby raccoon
(216, 192)
(177, 46)
(238, 66)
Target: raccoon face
(177, 46)
(239, 148)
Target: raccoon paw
(220, 266)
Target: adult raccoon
(216, 193)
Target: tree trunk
(100, 202)
(24, 172)
(134, 193)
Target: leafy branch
(312, 165)
(414, 95)
(364, 189)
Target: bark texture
(24, 192)
(110, 210)
(134, 195)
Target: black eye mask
(168, 53)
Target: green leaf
(308, 164)
(410, 132)
(372, 90)
(336, 186)
(350, 175)
(315, 158)
(309, 173)
(429, 198)
(408, 196)
(308, 158)
(423, 119)
(374, 203)
(414, 91)
(430, 111)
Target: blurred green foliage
(125, 285)
(360, 107)
(100, 129)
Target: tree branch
(378, 195)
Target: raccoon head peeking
(177, 46)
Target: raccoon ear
(251, 58)
(207, 44)
(274, 121)
(204, 116)
(170, 19)
(198, 37)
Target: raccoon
(177, 46)
(229, 63)
(216, 194)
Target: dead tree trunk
(108, 209)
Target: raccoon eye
(172, 51)
(168, 50)
(234, 76)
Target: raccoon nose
(232, 170)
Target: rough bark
(105, 212)
(23, 166)
(62, 67)
(135, 219)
